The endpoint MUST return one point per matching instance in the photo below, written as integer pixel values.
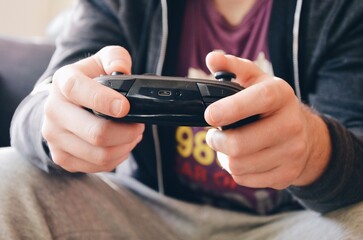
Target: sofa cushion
(22, 62)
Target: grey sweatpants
(36, 205)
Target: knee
(350, 218)
(16, 173)
(344, 223)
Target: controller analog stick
(117, 73)
(224, 76)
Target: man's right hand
(78, 140)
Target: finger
(107, 60)
(92, 129)
(249, 139)
(264, 98)
(277, 178)
(266, 160)
(77, 84)
(259, 162)
(74, 155)
(275, 167)
(73, 164)
(70, 163)
(241, 178)
(98, 157)
(83, 91)
(246, 71)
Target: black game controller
(171, 100)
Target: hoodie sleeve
(340, 184)
(25, 130)
(92, 25)
(338, 96)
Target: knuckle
(232, 152)
(70, 169)
(280, 186)
(238, 170)
(97, 134)
(276, 93)
(109, 169)
(235, 170)
(296, 126)
(64, 160)
(243, 181)
(68, 86)
(103, 158)
(234, 147)
(49, 110)
(285, 87)
(46, 132)
(239, 166)
(268, 95)
(59, 160)
(291, 176)
(297, 150)
(287, 178)
(96, 100)
(65, 80)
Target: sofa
(22, 62)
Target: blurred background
(28, 29)
(29, 18)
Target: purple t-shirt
(204, 30)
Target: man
(293, 156)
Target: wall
(29, 18)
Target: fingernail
(215, 138)
(116, 107)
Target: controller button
(215, 91)
(165, 93)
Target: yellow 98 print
(193, 144)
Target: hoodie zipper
(159, 70)
(164, 8)
(295, 48)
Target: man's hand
(78, 140)
(289, 145)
